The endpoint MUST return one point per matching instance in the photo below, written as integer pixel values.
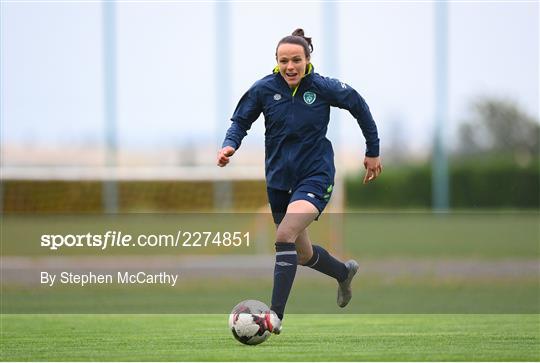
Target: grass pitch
(508, 239)
(305, 338)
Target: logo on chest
(309, 97)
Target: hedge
(473, 184)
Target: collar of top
(309, 72)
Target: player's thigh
(313, 192)
(279, 201)
(299, 216)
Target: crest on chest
(309, 97)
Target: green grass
(503, 321)
(372, 295)
(484, 236)
(304, 338)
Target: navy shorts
(314, 192)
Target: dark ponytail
(298, 38)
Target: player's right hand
(224, 155)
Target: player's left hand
(373, 168)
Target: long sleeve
(246, 112)
(344, 96)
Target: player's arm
(344, 96)
(246, 112)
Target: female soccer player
(300, 168)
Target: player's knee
(286, 234)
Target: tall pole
(223, 191)
(330, 59)
(3, 72)
(110, 187)
(440, 183)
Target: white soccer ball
(248, 322)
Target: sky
(168, 66)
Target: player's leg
(319, 258)
(298, 216)
(304, 248)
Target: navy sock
(323, 262)
(284, 272)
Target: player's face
(292, 63)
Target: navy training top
(296, 123)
